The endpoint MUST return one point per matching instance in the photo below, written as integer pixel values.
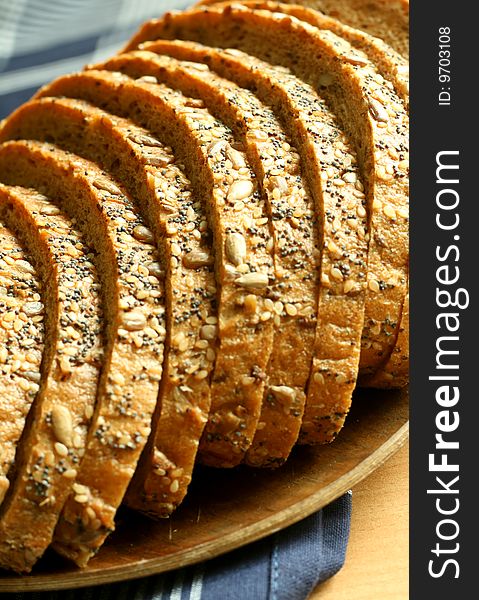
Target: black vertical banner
(444, 308)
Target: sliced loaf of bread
(295, 232)
(369, 111)
(234, 206)
(148, 172)
(331, 171)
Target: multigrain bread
(331, 171)
(370, 112)
(234, 206)
(389, 63)
(295, 232)
(228, 180)
(135, 330)
(385, 19)
(53, 442)
(21, 340)
(148, 172)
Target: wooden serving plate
(227, 509)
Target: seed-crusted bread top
(135, 331)
(21, 339)
(53, 442)
(390, 64)
(233, 205)
(295, 234)
(148, 172)
(385, 19)
(327, 159)
(370, 112)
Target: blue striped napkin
(41, 40)
(284, 566)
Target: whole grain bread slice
(234, 206)
(385, 19)
(295, 233)
(369, 111)
(21, 340)
(327, 159)
(135, 331)
(389, 63)
(54, 437)
(394, 372)
(148, 172)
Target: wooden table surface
(376, 566)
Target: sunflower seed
(235, 248)
(62, 425)
(253, 280)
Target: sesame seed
(81, 498)
(61, 449)
(199, 375)
(389, 212)
(70, 474)
(336, 274)
(239, 190)
(349, 285)
(291, 310)
(361, 212)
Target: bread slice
(389, 63)
(385, 19)
(295, 233)
(370, 112)
(54, 438)
(233, 206)
(394, 372)
(21, 340)
(149, 173)
(135, 332)
(313, 129)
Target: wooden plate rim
(256, 531)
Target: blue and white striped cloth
(284, 566)
(41, 40)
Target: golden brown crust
(135, 331)
(295, 232)
(54, 439)
(389, 63)
(21, 338)
(233, 205)
(385, 19)
(148, 171)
